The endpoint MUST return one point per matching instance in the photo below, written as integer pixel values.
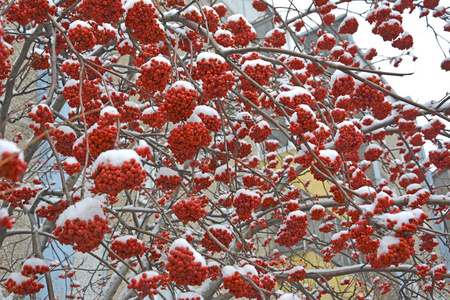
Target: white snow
(179, 84)
(207, 111)
(165, 172)
(74, 24)
(111, 110)
(182, 243)
(84, 210)
(208, 56)
(115, 158)
(34, 262)
(9, 147)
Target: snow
(385, 242)
(290, 296)
(71, 160)
(150, 110)
(149, 274)
(165, 172)
(254, 63)
(79, 22)
(208, 55)
(9, 147)
(206, 110)
(221, 227)
(130, 3)
(271, 32)
(331, 154)
(182, 243)
(228, 271)
(337, 76)
(84, 210)
(219, 32)
(429, 125)
(189, 295)
(305, 107)
(245, 192)
(179, 84)
(111, 110)
(34, 262)
(337, 235)
(115, 158)
(3, 213)
(66, 129)
(317, 207)
(18, 278)
(292, 93)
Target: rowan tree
(183, 155)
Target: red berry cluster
(41, 114)
(34, 266)
(342, 84)
(398, 251)
(155, 75)
(275, 38)
(127, 247)
(303, 120)
(432, 129)
(212, 19)
(185, 140)
(439, 271)
(326, 42)
(348, 26)
(190, 209)
(40, 61)
(51, 211)
(360, 233)
(12, 165)
(142, 20)
(258, 70)
(71, 166)
(22, 285)
(246, 202)
(84, 235)
(440, 158)
(101, 139)
(64, 137)
(153, 117)
(129, 112)
(349, 139)
(212, 122)
(242, 30)
(224, 38)
(109, 11)
(220, 9)
(427, 242)
(19, 194)
(423, 270)
(23, 12)
(5, 220)
(168, 182)
(179, 102)
(81, 34)
(260, 132)
(222, 234)
(404, 42)
(111, 179)
(185, 266)
(147, 283)
(259, 5)
(238, 287)
(292, 229)
(201, 183)
(317, 212)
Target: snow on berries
(180, 101)
(155, 74)
(22, 285)
(348, 26)
(185, 265)
(81, 34)
(127, 246)
(33, 266)
(349, 138)
(292, 229)
(317, 212)
(147, 283)
(82, 225)
(275, 38)
(303, 120)
(243, 32)
(189, 296)
(233, 281)
(258, 70)
(117, 170)
(12, 165)
(5, 220)
(167, 179)
(341, 84)
(246, 202)
(190, 209)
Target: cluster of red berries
(348, 26)
(147, 283)
(102, 11)
(398, 251)
(23, 12)
(41, 114)
(19, 194)
(101, 139)
(212, 19)
(155, 75)
(12, 165)
(349, 139)
(427, 242)
(202, 183)
(439, 271)
(179, 101)
(5, 220)
(440, 158)
(276, 38)
(40, 61)
(167, 181)
(258, 70)
(129, 112)
(303, 120)
(185, 266)
(142, 20)
(22, 285)
(51, 211)
(317, 212)
(246, 202)
(127, 247)
(81, 34)
(190, 209)
(83, 235)
(242, 30)
(260, 132)
(435, 127)
(360, 233)
(185, 140)
(222, 234)
(111, 179)
(34, 266)
(224, 38)
(292, 229)
(153, 117)
(220, 9)
(326, 42)
(64, 137)
(342, 84)
(238, 287)
(90, 92)
(259, 5)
